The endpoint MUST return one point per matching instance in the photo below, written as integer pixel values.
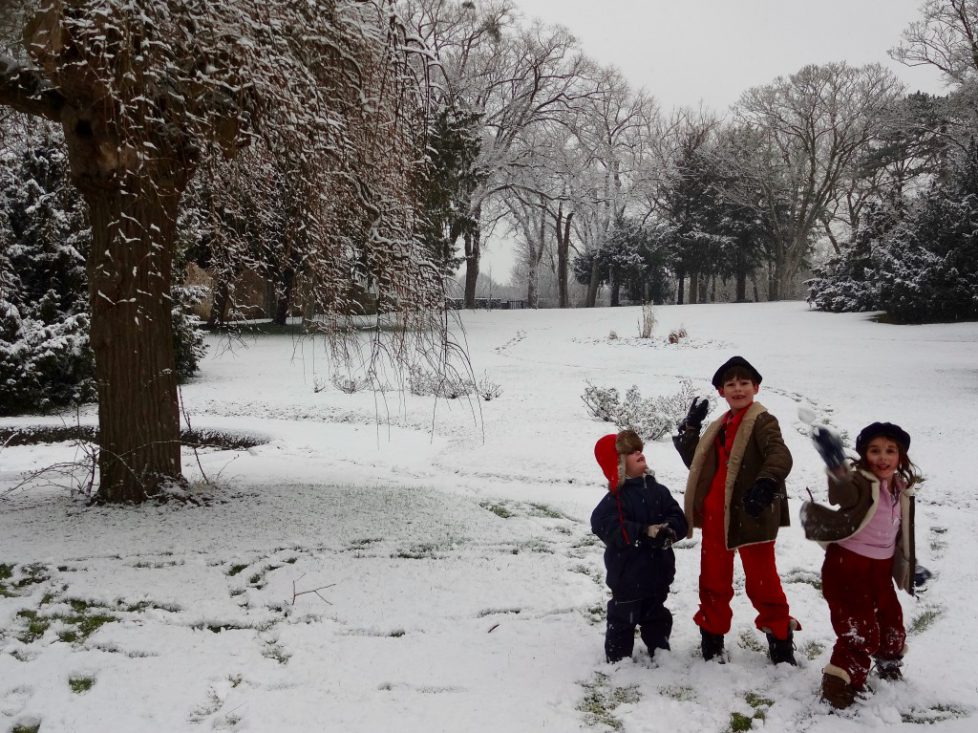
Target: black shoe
(889, 669)
(712, 646)
(782, 650)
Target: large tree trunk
(681, 283)
(741, 296)
(694, 287)
(615, 297)
(592, 285)
(283, 297)
(129, 275)
(563, 255)
(472, 255)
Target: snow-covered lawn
(386, 563)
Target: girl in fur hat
(869, 543)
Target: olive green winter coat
(758, 451)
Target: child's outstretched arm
(688, 435)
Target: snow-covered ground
(457, 585)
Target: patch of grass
(542, 510)
(81, 684)
(601, 699)
(236, 568)
(498, 509)
(6, 571)
(812, 650)
(217, 628)
(748, 640)
(274, 651)
(88, 625)
(924, 620)
(26, 728)
(396, 633)
(934, 714)
(495, 611)
(421, 551)
(535, 545)
(805, 576)
(596, 614)
(588, 540)
(678, 693)
(36, 626)
(255, 579)
(32, 574)
(740, 722)
(756, 701)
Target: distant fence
(486, 304)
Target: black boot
(782, 650)
(712, 646)
(889, 669)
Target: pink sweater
(877, 540)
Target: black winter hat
(735, 361)
(885, 430)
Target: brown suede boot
(837, 692)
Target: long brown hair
(906, 469)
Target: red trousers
(865, 611)
(763, 585)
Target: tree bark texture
(129, 275)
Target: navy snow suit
(640, 568)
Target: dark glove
(921, 576)
(697, 411)
(759, 496)
(665, 537)
(829, 446)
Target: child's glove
(829, 446)
(694, 417)
(662, 535)
(759, 496)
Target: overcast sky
(684, 51)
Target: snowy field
(457, 585)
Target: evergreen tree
(45, 360)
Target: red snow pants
(763, 585)
(864, 609)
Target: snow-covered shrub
(423, 382)
(487, 389)
(348, 384)
(188, 339)
(651, 417)
(677, 335)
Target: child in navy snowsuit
(638, 520)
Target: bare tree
(946, 37)
(144, 91)
(802, 135)
(515, 78)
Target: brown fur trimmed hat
(732, 362)
(610, 452)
